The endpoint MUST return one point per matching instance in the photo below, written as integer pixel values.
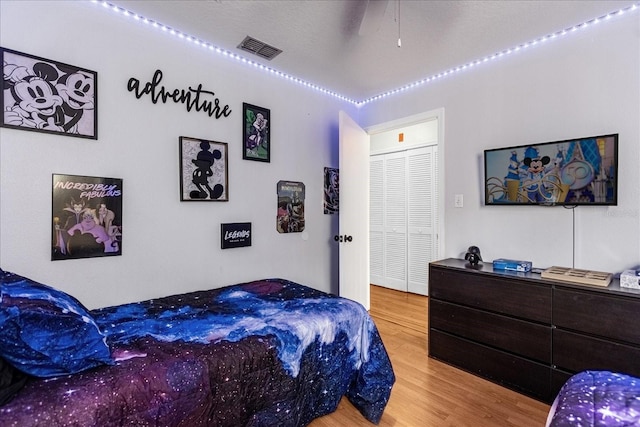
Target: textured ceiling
(323, 42)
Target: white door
(354, 210)
(403, 218)
(388, 220)
(376, 220)
(422, 214)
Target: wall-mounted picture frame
(86, 217)
(43, 95)
(204, 172)
(256, 133)
(235, 235)
(290, 214)
(331, 191)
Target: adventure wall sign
(198, 98)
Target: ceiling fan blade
(372, 17)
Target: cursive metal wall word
(191, 98)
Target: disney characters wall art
(256, 133)
(87, 217)
(48, 96)
(203, 170)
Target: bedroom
(585, 84)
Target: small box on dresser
(630, 279)
(512, 265)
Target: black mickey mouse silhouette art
(204, 161)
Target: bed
(265, 353)
(597, 399)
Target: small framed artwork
(235, 235)
(290, 215)
(87, 217)
(331, 191)
(203, 170)
(256, 133)
(43, 95)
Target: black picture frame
(86, 220)
(256, 133)
(48, 96)
(235, 235)
(204, 167)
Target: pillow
(45, 332)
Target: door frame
(437, 114)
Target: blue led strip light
(435, 77)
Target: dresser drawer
(576, 352)
(521, 299)
(517, 373)
(524, 338)
(612, 317)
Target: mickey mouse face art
(37, 101)
(44, 95)
(76, 90)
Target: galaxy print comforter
(265, 353)
(597, 399)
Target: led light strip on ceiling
(435, 77)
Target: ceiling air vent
(259, 48)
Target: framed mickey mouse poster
(203, 170)
(47, 96)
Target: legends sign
(235, 235)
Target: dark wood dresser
(527, 333)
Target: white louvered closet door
(395, 221)
(403, 218)
(422, 216)
(388, 220)
(376, 219)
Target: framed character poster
(86, 217)
(290, 216)
(256, 133)
(331, 191)
(203, 170)
(44, 95)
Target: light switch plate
(459, 201)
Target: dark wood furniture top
(527, 333)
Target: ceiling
(351, 47)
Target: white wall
(587, 83)
(168, 246)
(424, 133)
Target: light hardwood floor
(428, 393)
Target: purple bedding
(264, 353)
(597, 399)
